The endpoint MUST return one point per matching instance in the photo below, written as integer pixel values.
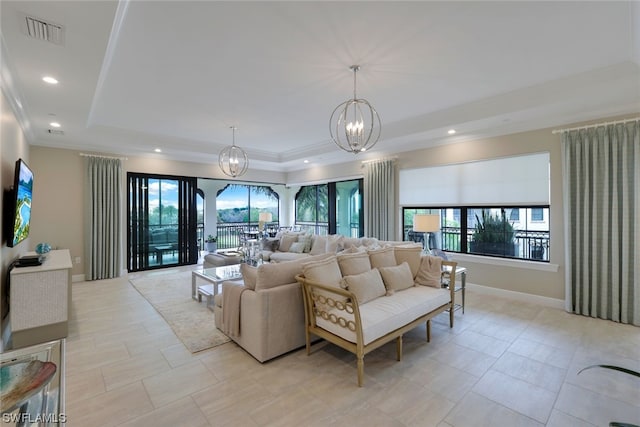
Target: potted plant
(210, 243)
(493, 235)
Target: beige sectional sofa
(289, 246)
(264, 312)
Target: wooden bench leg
(399, 348)
(360, 370)
(429, 330)
(451, 315)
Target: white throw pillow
(286, 241)
(334, 243)
(430, 272)
(411, 254)
(353, 262)
(297, 247)
(366, 286)
(318, 245)
(384, 257)
(325, 272)
(397, 278)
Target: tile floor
(505, 363)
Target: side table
(462, 272)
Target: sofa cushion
(277, 274)
(353, 262)
(383, 315)
(249, 275)
(287, 256)
(286, 241)
(397, 278)
(383, 257)
(366, 286)
(430, 272)
(411, 254)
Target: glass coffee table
(214, 277)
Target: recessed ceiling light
(50, 80)
(306, 161)
(451, 131)
(158, 150)
(54, 124)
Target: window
(488, 230)
(312, 208)
(537, 214)
(238, 208)
(332, 208)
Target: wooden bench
(335, 315)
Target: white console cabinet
(40, 300)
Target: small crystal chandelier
(233, 160)
(355, 124)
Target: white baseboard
(77, 278)
(519, 296)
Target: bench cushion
(386, 314)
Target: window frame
(534, 244)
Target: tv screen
(22, 193)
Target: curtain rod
(595, 125)
(102, 157)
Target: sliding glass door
(162, 221)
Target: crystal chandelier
(233, 160)
(355, 125)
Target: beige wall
(513, 278)
(13, 146)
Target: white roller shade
(522, 180)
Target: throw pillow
(411, 254)
(397, 278)
(334, 243)
(318, 245)
(271, 275)
(269, 244)
(353, 263)
(325, 271)
(249, 275)
(348, 242)
(430, 272)
(286, 241)
(305, 239)
(366, 286)
(297, 247)
(382, 257)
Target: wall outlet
(77, 260)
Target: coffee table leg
(193, 286)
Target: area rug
(169, 292)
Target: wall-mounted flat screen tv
(22, 197)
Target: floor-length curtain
(103, 212)
(601, 174)
(379, 199)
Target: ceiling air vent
(45, 31)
